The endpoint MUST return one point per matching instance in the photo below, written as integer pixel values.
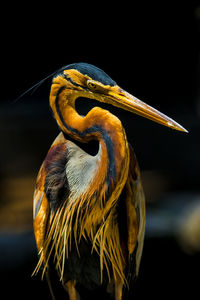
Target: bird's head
(88, 81)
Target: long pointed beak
(124, 100)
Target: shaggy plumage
(89, 211)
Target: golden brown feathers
(79, 197)
(91, 216)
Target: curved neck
(97, 124)
(95, 206)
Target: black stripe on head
(68, 78)
(84, 68)
(91, 71)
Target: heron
(89, 209)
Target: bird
(89, 209)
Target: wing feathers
(135, 206)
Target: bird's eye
(91, 85)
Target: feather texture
(89, 210)
(85, 215)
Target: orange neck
(95, 207)
(98, 124)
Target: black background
(150, 50)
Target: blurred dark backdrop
(152, 51)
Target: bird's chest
(94, 221)
(80, 171)
(83, 265)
